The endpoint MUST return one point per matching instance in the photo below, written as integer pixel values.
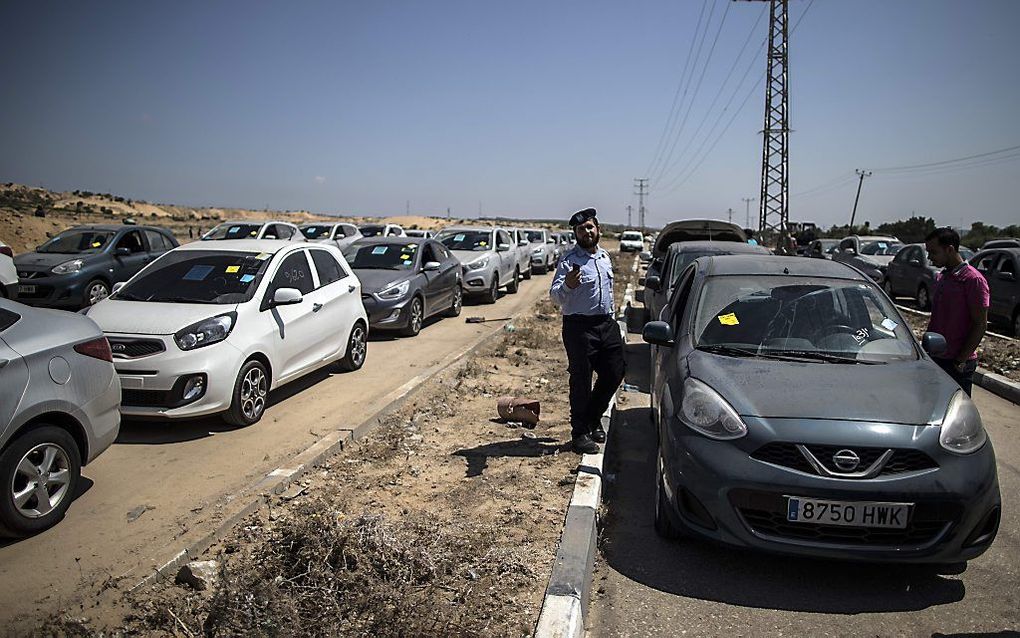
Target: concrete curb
(565, 605)
(998, 385)
(277, 481)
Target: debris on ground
(199, 574)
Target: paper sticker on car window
(458, 238)
(96, 244)
(234, 230)
(247, 278)
(483, 243)
(379, 250)
(197, 273)
(728, 319)
(263, 256)
(233, 268)
(408, 262)
(404, 257)
(889, 324)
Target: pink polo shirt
(955, 293)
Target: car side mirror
(431, 265)
(502, 248)
(653, 282)
(117, 286)
(286, 297)
(1007, 276)
(122, 252)
(550, 241)
(933, 343)
(658, 333)
(523, 242)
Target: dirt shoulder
(444, 521)
(998, 355)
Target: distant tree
(911, 231)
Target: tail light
(6, 250)
(97, 349)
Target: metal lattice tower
(775, 157)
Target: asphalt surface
(164, 485)
(646, 586)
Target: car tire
(415, 317)
(492, 294)
(52, 450)
(251, 391)
(457, 304)
(539, 270)
(666, 524)
(923, 299)
(357, 349)
(1016, 322)
(515, 283)
(527, 274)
(95, 291)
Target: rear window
(631, 236)
(233, 231)
(316, 232)
(8, 319)
(198, 276)
(476, 240)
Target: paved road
(646, 586)
(179, 477)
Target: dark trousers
(965, 378)
(593, 344)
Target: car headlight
(396, 291)
(962, 430)
(478, 264)
(205, 332)
(705, 411)
(537, 251)
(68, 267)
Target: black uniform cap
(582, 216)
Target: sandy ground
(998, 355)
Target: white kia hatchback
(211, 328)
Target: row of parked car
(797, 413)
(180, 331)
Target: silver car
(59, 408)
(488, 257)
(522, 247)
(543, 250)
(340, 235)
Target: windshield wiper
(734, 351)
(826, 357)
(179, 300)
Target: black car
(1001, 268)
(79, 267)
(405, 280)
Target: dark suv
(1001, 267)
(79, 266)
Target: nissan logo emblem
(846, 460)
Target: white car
(212, 328)
(340, 235)
(631, 241)
(522, 246)
(8, 274)
(424, 234)
(254, 229)
(382, 230)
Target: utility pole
(629, 207)
(862, 174)
(407, 208)
(729, 215)
(775, 156)
(641, 183)
(448, 212)
(747, 210)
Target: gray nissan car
(797, 414)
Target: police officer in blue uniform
(583, 289)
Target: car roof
(1012, 250)
(778, 265)
(257, 222)
(113, 227)
(246, 245)
(392, 239)
(730, 247)
(460, 228)
(696, 229)
(875, 237)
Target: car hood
(375, 279)
(908, 392)
(49, 260)
(877, 260)
(468, 256)
(151, 318)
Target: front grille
(916, 533)
(133, 348)
(787, 455)
(144, 398)
(29, 274)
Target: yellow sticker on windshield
(728, 320)
(96, 244)
(233, 268)
(483, 243)
(403, 257)
(263, 256)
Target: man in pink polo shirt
(959, 306)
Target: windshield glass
(317, 231)
(233, 231)
(535, 236)
(76, 242)
(384, 256)
(631, 236)
(198, 276)
(801, 315)
(371, 231)
(881, 248)
(475, 240)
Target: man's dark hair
(945, 236)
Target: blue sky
(528, 108)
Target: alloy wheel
(358, 345)
(41, 480)
(458, 299)
(416, 316)
(96, 292)
(253, 394)
(922, 297)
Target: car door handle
(351, 288)
(316, 307)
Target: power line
(949, 161)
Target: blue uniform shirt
(595, 294)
